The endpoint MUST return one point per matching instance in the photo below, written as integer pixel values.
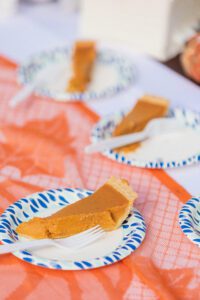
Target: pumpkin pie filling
(83, 60)
(107, 207)
(147, 108)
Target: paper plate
(115, 246)
(189, 220)
(112, 74)
(164, 151)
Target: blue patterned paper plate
(112, 74)
(189, 220)
(115, 246)
(167, 151)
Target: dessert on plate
(108, 207)
(83, 59)
(147, 108)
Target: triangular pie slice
(108, 207)
(83, 59)
(147, 108)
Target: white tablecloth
(37, 28)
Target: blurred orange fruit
(190, 58)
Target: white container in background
(70, 6)
(155, 27)
(7, 8)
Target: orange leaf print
(167, 284)
(182, 282)
(150, 275)
(4, 62)
(38, 147)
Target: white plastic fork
(46, 75)
(153, 128)
(71, 243)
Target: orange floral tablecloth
(41, 147)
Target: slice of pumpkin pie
(83, 60)
(147, 108)
(108, 207)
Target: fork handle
(8, 248)
(116, 142)
(21, 95)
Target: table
(34, 30)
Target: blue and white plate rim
(134, 229)
(125, 66)
(190, 117)
(189, 219)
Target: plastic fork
(46, 75)
(153, 128)
(71, 243)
